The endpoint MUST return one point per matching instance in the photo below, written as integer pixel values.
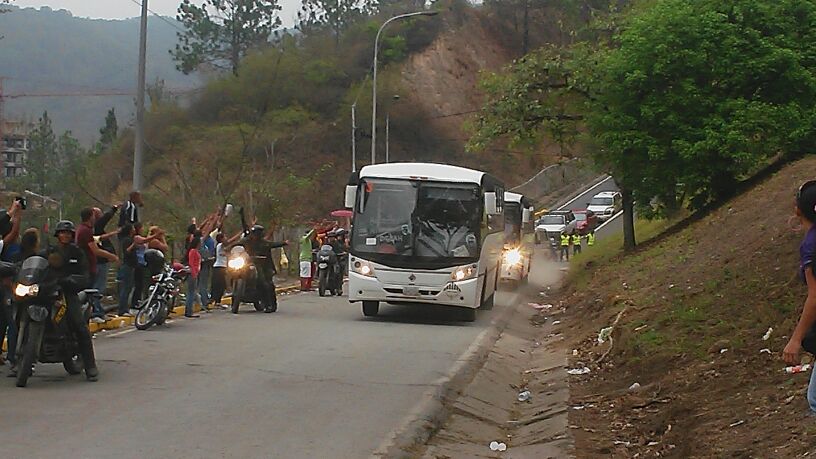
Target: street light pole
(387, 137)
(354, 137)
(138, 153)
(374, 81)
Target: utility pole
(138, 154)
(387, 136)
(353, 136)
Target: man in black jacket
(100, 280)
(260, 249)
(69, 267)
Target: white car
(554, 223)
(606, 204)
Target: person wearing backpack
(804, 335)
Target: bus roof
(423, 171)
(509, 196)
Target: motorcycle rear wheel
(32, 337)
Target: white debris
(524, 396)
(634, 387)
(556, 322)
(723, 351)
(575, 352)
(767, 335)
(497, 446)
(604, 334)
(671, 286)
(765, 351)
(735, 424)
(579, 371)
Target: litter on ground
(579, 371)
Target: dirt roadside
(529, 356)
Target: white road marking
(585, 192)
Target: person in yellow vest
(565, 246)
(576, 244)
(591, 239)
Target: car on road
(606, 204)
(585, 221)
(554, 222)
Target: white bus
(519, 239)
(425, 233)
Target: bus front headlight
(464, 273)
(512, 257)
(363, 267)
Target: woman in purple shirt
(806, 211)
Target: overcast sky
(119, 9)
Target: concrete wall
(551, 183)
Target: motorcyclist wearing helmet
(69, 267)
(260, 249)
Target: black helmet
(64, 225)
(155, 261)
(257, 229)
(339, 232)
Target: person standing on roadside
(194, 262)
(130, 209)
(93, 253)
(565, 247)
(306, 243)
(100, 280)
(804, 335)
(576, 244)
(159, 241)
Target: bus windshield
(417, 224)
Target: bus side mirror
(351, 196)
(491, 204)
(525, 216)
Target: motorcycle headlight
(512, 257)
(26, 290)
(236, 263)
(464, 273)
(363, 267)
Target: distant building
(15, 146)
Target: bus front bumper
(464, 293)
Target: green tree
(334, 15)
(108, 132)
(686, 100)
(41, 156)
(222, 32)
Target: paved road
(313, 380)
(580, 203)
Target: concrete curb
(427, 416)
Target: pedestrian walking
(804, 335)
(305, 259)
(194, 262)
(565, 247)
(576, 243)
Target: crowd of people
(566, 243)
(94, 248)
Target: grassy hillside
(693, 311)
(46, 51)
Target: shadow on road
(424, 314)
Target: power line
(162, 18)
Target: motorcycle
(45, 334)
(245, 281)
(329, 272)
(163, 292)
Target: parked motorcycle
(45, 334)
(163, 292)
(245, 280)
(329, 272)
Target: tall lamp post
(374, 81)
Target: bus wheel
(371, 308)
(468, 314)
